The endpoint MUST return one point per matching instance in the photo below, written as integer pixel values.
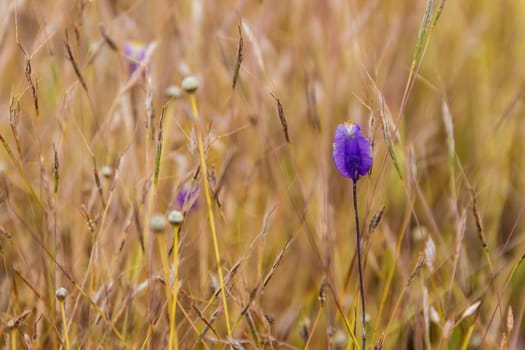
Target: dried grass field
(167, 176)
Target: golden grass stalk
(204, 172)
(173, 340)
(61, 294)
(12, 335)
(64, 322)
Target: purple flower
(135, 52)
(187, 197)
(352, 151)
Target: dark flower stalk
(352, 154)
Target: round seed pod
(11, 324)
(340, 340)
(173, 91)
(175, 217)
(106, 171)
(190, 84)
(61, 294)
(157, 223)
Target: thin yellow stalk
(306, 346)
(204, 172)
(416, 271)
(165, 266)
(466, 341)
(148, 336)
(13, 338)
(173, 341)
(64, 323)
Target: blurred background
(438, 87)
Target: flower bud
(190, 84)
(175, 217)
(352, 151)
(157, 223)
(61, 294)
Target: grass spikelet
(32, 85)
(240, 56)
(282, 118)
(391, 148)
(71, 58)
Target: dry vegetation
(439, 93)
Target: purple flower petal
(135, 52)
(187, 197)
(352, 151)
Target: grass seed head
(175, 217)
(340, 340)
(190, 84)
(157, 223)
(173, 91)
(106, 172)
(61, 294)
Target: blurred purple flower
(187, 197)
(135, 52)
(352, 151)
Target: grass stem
(204, 172)
(173, 341)
(64, 323)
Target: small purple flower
(135, 52)
(352, 151)
(187, 197)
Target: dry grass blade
(391, 148)
(111, 43)
(374, 222)
(32, 85)
(282, 118)
(311, 104)
(255, 292)
(89, 221)
(158, 152)
(56, 172)
(477, 220)
(276, 264)
(240, 56)
(419, 265)
(14, 120)
(98, 183)
(74, 63)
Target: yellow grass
(267, 258)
